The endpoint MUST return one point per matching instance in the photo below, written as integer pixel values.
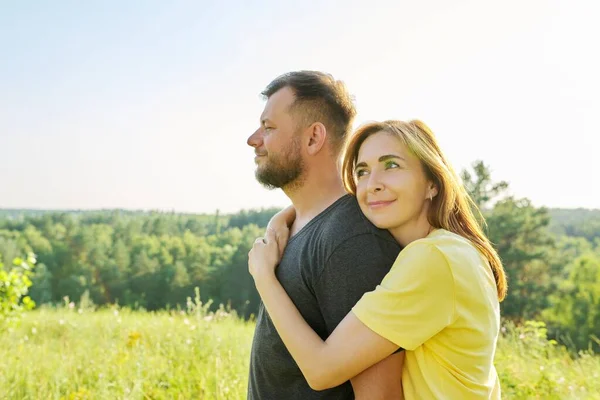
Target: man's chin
(276, 181)
(265, 183)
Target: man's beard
(282, 171)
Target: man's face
(277, 143)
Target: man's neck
(316, 194)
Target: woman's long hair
(452, 209)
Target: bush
(14, 285)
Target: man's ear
(317, 135)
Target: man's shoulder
(342, 230)
(345, 221)
(344, 225)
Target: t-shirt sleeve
(355, 267)
(415, 300)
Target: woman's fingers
(282, 239)
(271, 235)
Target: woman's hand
(280, 224)
(264, 257)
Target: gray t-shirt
(326, 268)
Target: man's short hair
(319, 98)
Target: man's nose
(255, 139)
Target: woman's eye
(360, 172)
(391, 164)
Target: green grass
(109, 354)
(119, 354)
(532, 367)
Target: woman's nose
(374, 184)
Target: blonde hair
(452, 209)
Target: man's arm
(381, 381)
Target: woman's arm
(281, 224)
(350, 349)
(284, 218)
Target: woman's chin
(379, 222)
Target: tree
(575, 311)
(41, 287)
(480, 186)
(232, 283)
(519, 232)
(14, 285)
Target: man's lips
(379, 203)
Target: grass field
(119, 354)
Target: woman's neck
(412, 230)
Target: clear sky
(148, 104)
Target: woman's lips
(379, 204)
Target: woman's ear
(433, 191)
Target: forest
(151, 260)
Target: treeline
(150, 260)
(154, 260)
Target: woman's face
(391, 186)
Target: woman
(440, 300)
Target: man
(334, 254)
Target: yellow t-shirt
(439, 302)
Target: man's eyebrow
(263, 121)
(382, 158)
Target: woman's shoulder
(439, 244)
(443, 237)
(459, 252)
(439, 238)
(421, 263)
(424, 253)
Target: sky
(148, 104)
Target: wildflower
(61, 321)
(186, 321)
(133, 338)
(71, 305)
